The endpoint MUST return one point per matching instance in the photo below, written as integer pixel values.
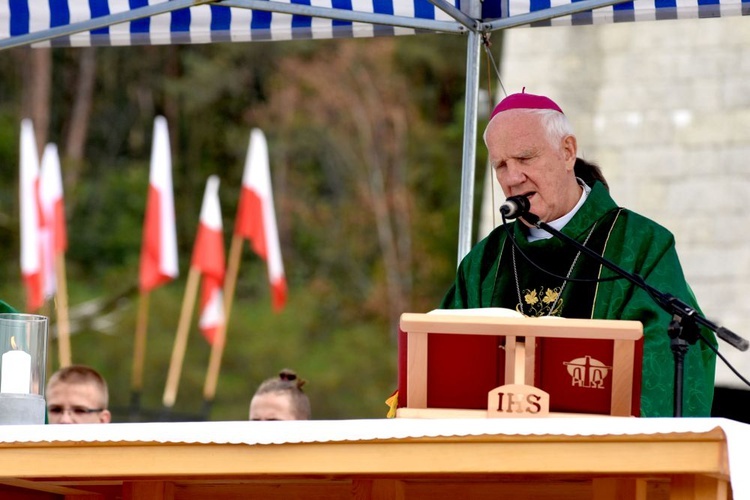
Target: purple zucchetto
(523, 100)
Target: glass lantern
(23, 362)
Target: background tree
(358, 125)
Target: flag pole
(159, 247)
(139, 353)
(180, 343)
(63, 320)
(217, 349)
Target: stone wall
(664, 108)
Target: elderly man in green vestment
(533, 152)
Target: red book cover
(461, 370)
(577, 374)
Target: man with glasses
(77, 394)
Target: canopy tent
(67, 23)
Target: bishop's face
(526, 162)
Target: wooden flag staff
(180, 343)
(63, 321)
(217, 349)
(139, 351)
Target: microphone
(515, 206)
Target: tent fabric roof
(639, 10)
(155, 22)
(215, 23)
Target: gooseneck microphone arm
(682, 329)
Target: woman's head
(280, 398)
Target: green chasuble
(493, 274)
(5, 308)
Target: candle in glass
(16, 372)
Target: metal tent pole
(468, 166)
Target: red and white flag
(159, 247)
(31, 250)
(208, 257)
(53, 234)
(256, 218)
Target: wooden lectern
(450, 360)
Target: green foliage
(108, 213)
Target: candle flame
(13, 344)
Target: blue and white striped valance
(155, 22)
(638, 10)
(208, 23)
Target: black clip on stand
(683, 329)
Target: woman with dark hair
(589, 172)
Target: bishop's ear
(570, 151)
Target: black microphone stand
(683, 329)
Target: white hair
(556, 125)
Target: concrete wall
(664, 108)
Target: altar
(550, 458)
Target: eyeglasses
(76, 411)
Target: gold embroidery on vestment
(535, 307)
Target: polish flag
(208, 258)
(159, 247)
(31, 250)
(54, 238)
(256, 218)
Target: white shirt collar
(540, 234)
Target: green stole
(542, 294)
